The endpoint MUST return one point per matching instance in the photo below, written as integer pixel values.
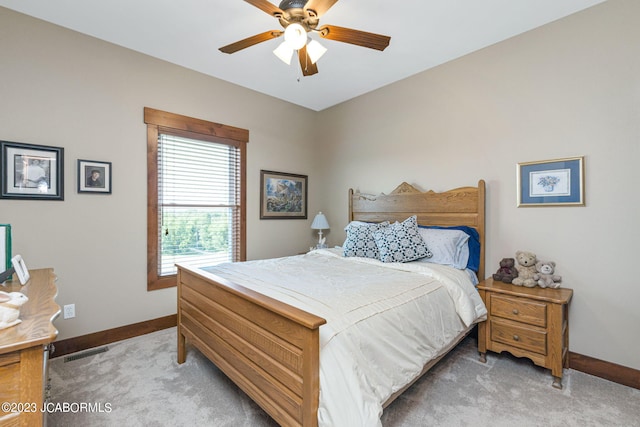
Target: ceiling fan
(299, 17)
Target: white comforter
(384, 321)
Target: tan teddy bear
(526, 266)
(545, 275)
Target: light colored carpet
(138, 382)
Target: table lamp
(320, 223)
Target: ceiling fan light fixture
(295, 35)
(315, 51)
(284, 52)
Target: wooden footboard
(268, 348)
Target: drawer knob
(516, 338)
(515, 311)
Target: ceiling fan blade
(250, 41)
(267, 6)
(357, 37)
(320, 7)
(308, 68)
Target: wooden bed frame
(271, 349)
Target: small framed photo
(283, 195)
(21, 269)
(94, 177)
(558, 182)
(31, 171)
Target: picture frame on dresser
(21, 269)
(31, 172)
(557, 182)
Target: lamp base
(321, 241)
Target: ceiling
(424, 34)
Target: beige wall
(61, 88)
(570, 88)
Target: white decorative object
(320, 223)
(21, 269)
(10, 304)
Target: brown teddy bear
(526, 266)
(545, 277)
(507, 271)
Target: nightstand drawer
(519, 309)
(519, 336)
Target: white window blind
(198, 202)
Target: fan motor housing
(289, 4)
(294, 12)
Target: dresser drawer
(519, 309)
(520, 336)
(9, 382)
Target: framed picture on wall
(31, 171)
(283, 195)
(558, 182)
(94, 177)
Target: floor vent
(86, 354)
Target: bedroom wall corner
(65, 89)
(569, 88)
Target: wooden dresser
(23, 359)
(526, 322)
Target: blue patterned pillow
(360, 241)
(401, 242)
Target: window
(196, 194)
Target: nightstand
(526, 322)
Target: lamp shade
(320, 222)
(284, 52)
(315, 51)
(295, 35)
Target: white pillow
(449, 247)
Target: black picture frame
(31, 172)
(94, 177)
(283, 195)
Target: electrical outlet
(69, 311)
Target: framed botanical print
(558, 182)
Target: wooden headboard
(460, 206)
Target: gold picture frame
(557, 182)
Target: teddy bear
(526, 266)
(507, 271)
(545, 277)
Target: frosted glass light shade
(295, 35)
(315, 51)
(284, 52)
(320, 222)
